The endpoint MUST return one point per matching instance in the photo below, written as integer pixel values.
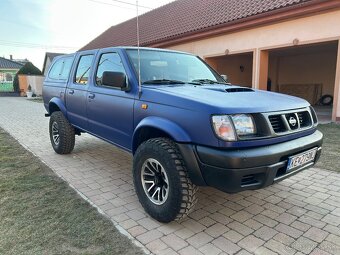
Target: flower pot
(29, 94)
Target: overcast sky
(29, 28)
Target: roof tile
(183, 17)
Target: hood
(223, 98)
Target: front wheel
(161, 180)
(62, 134)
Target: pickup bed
(184, 124)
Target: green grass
(331, 147)
(41, 214)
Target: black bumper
(234, 170)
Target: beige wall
(306, 30)
(230, 65)
(36, 82)
(304, 69)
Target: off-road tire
(182, 192)
(66, 133)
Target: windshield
(159, 67)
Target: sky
(29, 28)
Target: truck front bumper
(234, 170)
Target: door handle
(71, 91)
(91, 95)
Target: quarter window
(109, 62)
(56, 69)
(83, 69)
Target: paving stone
(194, 226)
(241, 216)
(316, 234)
(265, 220)
(334, 239)
(279, 247)
(149, 236)
(189, 250)
(284, 239)
(300, 226)
(251, 243)
(174, 242)
(265, 233)
(156, 246)
(210, 249)
(233, 236)
(288, 230)
(331, 219)
(216, 230)
(239, 227)
(199, 239)
(264, 251)
(317, 251)
(253, 224)
(226, 246)
(304, 245)
(286, 218)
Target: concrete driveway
(300, 215)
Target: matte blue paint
(182, 111)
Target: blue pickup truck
(184, 124)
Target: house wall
(313, 68)
(300, 31)
(36, 82)
(230, 65)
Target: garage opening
(237, 67)
(306, 71)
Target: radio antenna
(139, 78)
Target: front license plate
(301, 159)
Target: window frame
(97, 67)
(76, 69)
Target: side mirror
(224, 77)
(115, 79)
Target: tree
(29, 69)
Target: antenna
(139, 81)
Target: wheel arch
(152, 127)
(56, 104)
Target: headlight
(244, 124)
(226, 127)
(223, 127)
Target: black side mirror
(115, 79)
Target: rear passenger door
(110, 110)
(76, 93)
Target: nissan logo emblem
(292, 121)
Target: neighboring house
(8, 70)
(49, 56)
(289, 46)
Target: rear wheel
(161, 180)
(62, 134)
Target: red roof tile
(183, 17)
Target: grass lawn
(41, 214)
(330, 155)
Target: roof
(9, 64)
(183, 17)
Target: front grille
(277, 123)
(304, 119)
(291, 121)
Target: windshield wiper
(163, 81)
(208, 81)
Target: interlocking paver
(299, 214)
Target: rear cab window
(83, 69)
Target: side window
(56, 69)
(109, 62)
(83, 69)
(66, 68)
